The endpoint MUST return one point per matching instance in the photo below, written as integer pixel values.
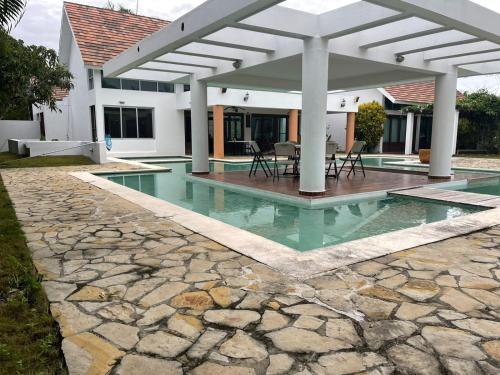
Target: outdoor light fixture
(237, 64)
(342, 103)
(246, 97)
(121, 102)
(356, 99)
(400, 58)
(223, 90)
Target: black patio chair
(354, 157)
(258, 159)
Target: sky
(41, 23)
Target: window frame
(152, 109)
(90, 79)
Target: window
(187, 88)
(149, 86)
(130, 84)
(112, 122)
(165, 87)
(127, 122)
(90, 78)
(111, 83)
(93, 125)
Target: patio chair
(354, 157)
(284, 149)
(331, 150)
(258, 159)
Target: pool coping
(287, 260)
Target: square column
(349, 131)
(218, 111)
(313, 129)
(417, 132)
(410, 117)
(293, 125)
(443, 125)
(199, 126)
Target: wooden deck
(375, 180)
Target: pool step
(475, 199)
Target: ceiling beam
(161, 70)
(398, 31)
(463, 50)
(199, 62)
(281, 21)
(462, 15)
(484, 68)
(241, 39)
(213, 52)
(205, 19)
(340, 22)
(429, 42)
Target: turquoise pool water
(299, 228)
(490, 186)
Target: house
(404, 133)
(147, 113)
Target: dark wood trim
(200, 173)
(312, 193)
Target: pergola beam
(340, 22)
(463, 15)
(241, 39)
(458, 51)
(398, 31)
(176, 59)
(430, 42)
(206, 19)
(214, 52)
(162, 70)
(281, 21)
(484, 68)
(474, 59)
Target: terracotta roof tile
(101, 34)
(416, 92)
(59, 93)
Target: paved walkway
(138, 294)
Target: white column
(417, 133)
(313, 129)
(410, 116)
(455, 133)
(443, 124)
(199, 125)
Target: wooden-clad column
(293, 125)
(218, 111)
(349, 131)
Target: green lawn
(29, 338)
(8, 160)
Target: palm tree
(11, 12)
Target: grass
(29, 338)
(8, 160)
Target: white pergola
(258, 44)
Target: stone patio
(138, 294)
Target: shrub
(370, 123)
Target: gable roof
(415, 92)
(101, 34)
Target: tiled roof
(59, 93)
(101, 34)
(416, 92)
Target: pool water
(490, 186)
(297, 227)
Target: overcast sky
(41, 22)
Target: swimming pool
(296, 227)
(487, 186)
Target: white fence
(17, 129)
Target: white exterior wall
(336, 122)
(57, 123)
(168, 122)
(10, 129)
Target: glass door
(394, 134)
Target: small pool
(299, 228)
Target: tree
(28, 76)
(370, 123)
(11, 12)
(120, 8)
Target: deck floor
(375, 180)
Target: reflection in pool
(300, 228)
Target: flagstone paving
(138, 294)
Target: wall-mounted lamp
(342, 103)
(223, 90)
(356, 99)
(237, 64)
(400, 58)
(246, 97)
(121, 102)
